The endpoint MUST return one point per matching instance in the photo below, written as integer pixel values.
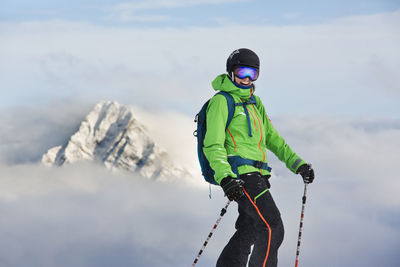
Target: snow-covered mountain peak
(111, 135)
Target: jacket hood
(224, 83)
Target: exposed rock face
(112, 136)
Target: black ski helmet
(242, 57)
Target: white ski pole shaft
(223, 211)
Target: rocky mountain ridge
(111, 135)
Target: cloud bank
(83, 215)
(28, 132)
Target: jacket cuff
(219, 179)
(296, 165)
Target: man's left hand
(307, 172)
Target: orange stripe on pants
(269, 228)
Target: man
(237, 154)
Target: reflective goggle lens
(243, 72)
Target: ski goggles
(243, 72)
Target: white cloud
(131, 11)
(82, 215)
(27, 132)
(353, 61)
(351, 152)
(174, 131)
(129, 16)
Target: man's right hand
(232, 188)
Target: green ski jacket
(235, 140)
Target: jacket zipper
(255, 125)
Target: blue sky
(193, 13)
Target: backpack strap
(244, 104)
(231, 106)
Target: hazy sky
(330, 81)
(317, 57)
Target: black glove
(307, 172)
(232, 188)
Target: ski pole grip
(223, 211)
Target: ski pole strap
(236, 161)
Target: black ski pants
(259, 224)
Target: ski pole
(223, 211)
(301, 223)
